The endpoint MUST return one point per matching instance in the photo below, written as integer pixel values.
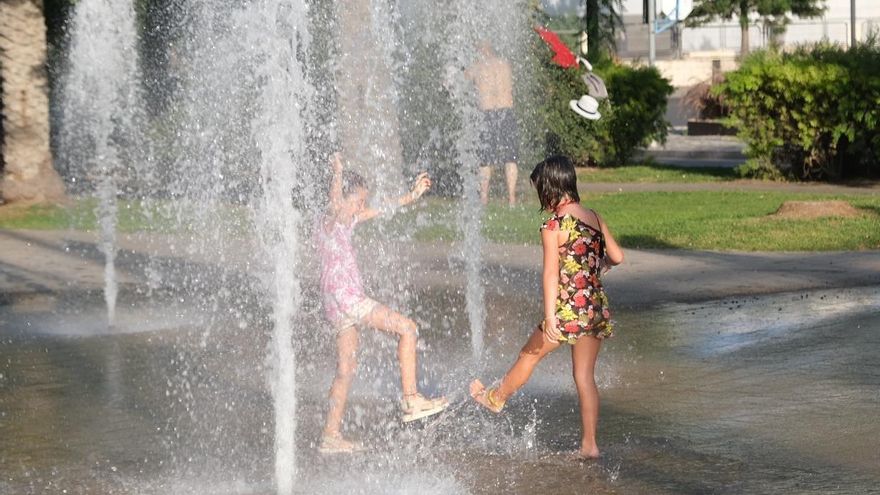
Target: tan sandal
(335, 444)
(416, 406)
(486, 397)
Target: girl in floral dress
(347, 307)
(578, 246)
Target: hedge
(813, 113)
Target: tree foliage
(710, 10)
(632, 116)
(774, 12)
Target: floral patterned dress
(582, 306)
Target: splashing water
(230, 165)
(472, 24)
(279, 35)
(264, 43)
(107, 214)
(458, 55)
(196, 404)
(100, 110)
(367, 77)
(278, 129)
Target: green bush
(758, 168)
(809, 114)
(638, 103)
(632, 116)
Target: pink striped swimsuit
(341, 286)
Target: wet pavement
(772, 393)
(46, 262)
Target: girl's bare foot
(588, 453)
(335, 444)
(484, 397)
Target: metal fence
(723, 37)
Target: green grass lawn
(714, 220)
(80, 215)
(656, 173)
(155, 216)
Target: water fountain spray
(458, 54)
(281, 40)
(101, 107)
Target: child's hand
(551, 331)
(604, 266)
(423, 183)
(336, 162)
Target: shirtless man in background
(493, 78)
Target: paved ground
(35, 262)
(697, 151)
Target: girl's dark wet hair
(351, 182)
(554, 179)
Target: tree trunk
(744, 29)
(28, 174)
(744, 39)
(592, 15)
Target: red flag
(563, 56)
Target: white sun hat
(586, 107)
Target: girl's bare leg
(531, 354)
(346, 363)
(583, 359)
(388, 320)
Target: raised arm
(336, 182)
(421, 185)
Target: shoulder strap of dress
(598, 227)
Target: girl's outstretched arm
(422, 184)
(550, 241)
(336, 182)
(613, 253)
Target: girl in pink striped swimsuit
(347, 307)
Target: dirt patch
(816, 209)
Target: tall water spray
(499, 24)
(458, 55)
(101, 106)
(245, 111)
(238, 112)
(280, 30)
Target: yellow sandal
(486, 397)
